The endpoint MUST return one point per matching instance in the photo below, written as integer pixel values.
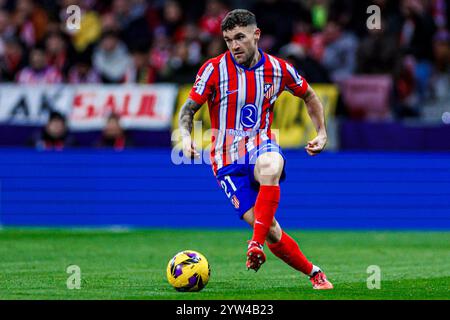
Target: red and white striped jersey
(240, 102)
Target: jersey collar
(257, 65)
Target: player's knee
(268, 170)
(269, 179)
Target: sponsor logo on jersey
(249, 113)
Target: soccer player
(241, 86)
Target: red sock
(288, 250)
(265, 207)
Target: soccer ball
(188, 270)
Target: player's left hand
(316, 145)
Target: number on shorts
(225, 186)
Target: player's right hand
(316, 145)
(189, 148)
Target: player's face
(242, 43)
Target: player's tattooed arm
(185, 121)
(316, 113)
(186, 117)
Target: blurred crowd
(147, 41)
(55, 135)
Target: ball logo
(249, 112)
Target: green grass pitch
(132, 264)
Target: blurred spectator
(307, 66)
(59, 55)
(160, 51)
(378, 52)
(82, 71)
(178, 69)
(172, 19)
(416, 40)
(191, 34)
(413, 72)
(128, 19)
(39, 72)
(300, 52)
(215, 47)
(121, 12)
(441, 52)
(276, 18)
(111, 58)
(441, 70)
(417, 30)
(441, 13)
(136, 31)
(406, 97)
(12, 60)
(30, 20)
(140, 70)
(138, 8)
(109, 22)
(6, 29)
(340, 51)
(113, 135)
(210, 22)
(302, 33)
(54, 135)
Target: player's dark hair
(238, 18)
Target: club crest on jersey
(268, 90)
(249, 114)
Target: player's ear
(257, 34)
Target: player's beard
(249, 59)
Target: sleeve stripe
(298, 80)
(201, 85)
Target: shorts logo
(235, 202)
(268, 90)
(249, 112)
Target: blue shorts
(238, 180)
